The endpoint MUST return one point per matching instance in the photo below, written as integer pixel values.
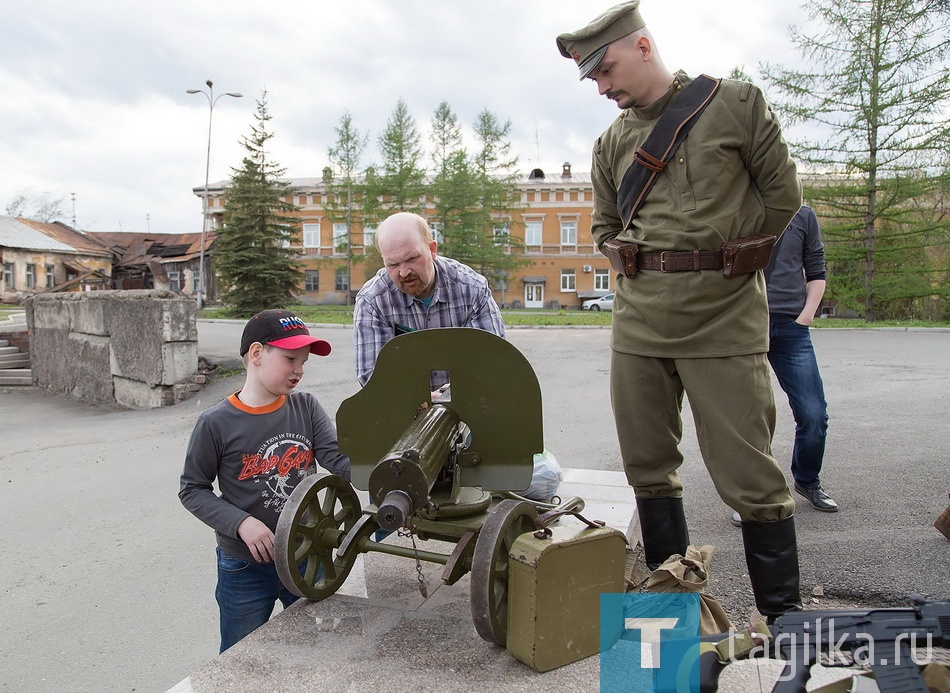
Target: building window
(312, 280)
(311, 235)
(502, 237)
(8, 275)
(568, 280)
(532, 236)
(601, 280)
(340, 237)
(50, 276)
(30, 276)
(196, 286)
(569, 233)
(174, 280)
(341, 280)
(437, 233)
(369, 236)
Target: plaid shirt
(461, 299)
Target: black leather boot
(771, 554)
(663, 528)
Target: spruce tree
(498, 196)
(252, 255)
(453, 188)
(475, 194)
(874, 100)
(398, 183)
(344, 189)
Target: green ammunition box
(554, 588)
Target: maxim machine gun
(441, 437)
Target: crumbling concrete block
(114, 346)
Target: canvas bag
(690, 573)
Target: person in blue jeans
(795, 281)
(258, 444)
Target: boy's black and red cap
(282, 329)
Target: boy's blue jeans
(246, 593)
(793, 359)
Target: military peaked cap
(587, 46)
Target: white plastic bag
(546, 478)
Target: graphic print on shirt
(273, 464)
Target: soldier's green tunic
(731, 177)
(698, 332)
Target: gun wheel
(318, 514)
(489, 582)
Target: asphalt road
(106, 582)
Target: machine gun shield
(494, 391)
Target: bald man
(415, 290)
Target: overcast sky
(94, 104)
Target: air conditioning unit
(587, 268)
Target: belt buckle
(663, 261)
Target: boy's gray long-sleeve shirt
(798, 258)
(257, 455)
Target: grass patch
(221, 372)
(343, 315)
(858, 323)
(334, 315)
(7, 309)
(560, 317)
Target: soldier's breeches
(734, 412)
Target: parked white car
(601, 303)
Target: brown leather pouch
(622, 256)
(746, 254)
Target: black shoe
(818, 498)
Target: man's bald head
(408, 251)
(400, 223)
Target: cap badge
(292, 323)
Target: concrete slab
(379, 633)
(109, 582)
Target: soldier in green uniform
(684, 327)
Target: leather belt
(680, 260)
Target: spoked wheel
(489, 583)
(318, 514)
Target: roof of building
(536, 177)
(144, 248)
(27, 234)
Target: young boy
(259, 443)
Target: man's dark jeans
(793, 360)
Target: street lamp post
(209, 94)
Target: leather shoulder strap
(662, 142)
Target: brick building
(564, 266)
